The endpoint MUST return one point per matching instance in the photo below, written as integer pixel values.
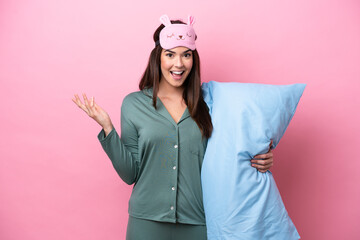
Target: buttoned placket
(161, 109)
(174, 173)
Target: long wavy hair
(192, 94)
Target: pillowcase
(239, 201)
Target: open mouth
(177, 74)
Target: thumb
(95, 104)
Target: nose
(178, 62)
(180, 36)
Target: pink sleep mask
(176, 35)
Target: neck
(168, 91)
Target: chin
(176, 83)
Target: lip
(177, 72)
(177, 77)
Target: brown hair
(192, 93)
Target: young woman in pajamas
(164, 131)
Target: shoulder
(135, 100)
(133, 96)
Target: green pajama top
(163, 158)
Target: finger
(265, 155)
(95, 105)
(86, 101)
(257, 161)
(92, 102)
(262, 162)
(77, 100)
(89, 112)
(270, 145)
(263, 167)
(80, 104)
(85, 98)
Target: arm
(123, 152)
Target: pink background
(56, 182)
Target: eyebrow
(175, 52)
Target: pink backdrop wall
(55, 180)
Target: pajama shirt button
(174, 167)
(172, 208)
(176, 146)
(173, 188)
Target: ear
(191, 20)
(164, 19)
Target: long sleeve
(123, 152)
(161, 158)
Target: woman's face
(176, 64)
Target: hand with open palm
(95, 112)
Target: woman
(164, 132)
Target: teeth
(178, 72)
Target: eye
(169, 36)
(188, 35)
(187, 55)
(169, 54)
